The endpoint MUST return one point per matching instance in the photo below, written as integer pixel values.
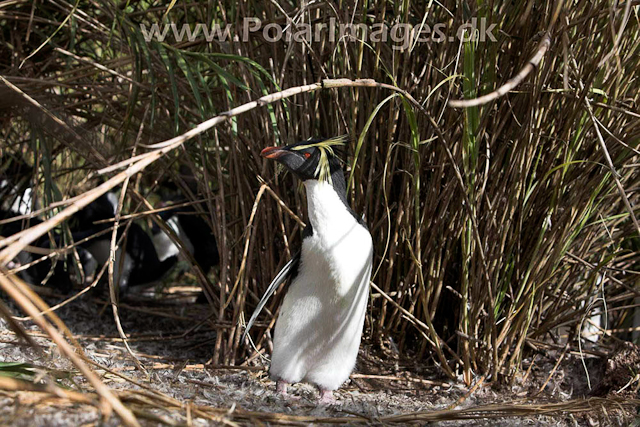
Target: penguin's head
(313, 159)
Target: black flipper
(284, 274)
(289, 271)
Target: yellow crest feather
(325, 146)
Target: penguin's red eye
(307, 155)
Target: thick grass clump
(496, 226)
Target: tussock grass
(495, 225)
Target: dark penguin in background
(135, 264)
(189, 227)
(44, 272)
(101, 209)
(318, 331)
(19, 198)
(16, 194)
(193, 232)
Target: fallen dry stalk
(512, 83)
(146, 401)
(19, 241)
(12, 384)
(103, 391)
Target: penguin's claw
(327, 398)
(281, 389)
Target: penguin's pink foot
(326, 397)
(281, 389)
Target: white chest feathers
(318, 331)
(123, 264)
(340, 246)
(165, 248)
(19, 203)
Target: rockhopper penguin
(318, 331)
(136, 261)
(194, 233)
(51, 272)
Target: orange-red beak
(272, 152)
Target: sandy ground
(382, 386)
